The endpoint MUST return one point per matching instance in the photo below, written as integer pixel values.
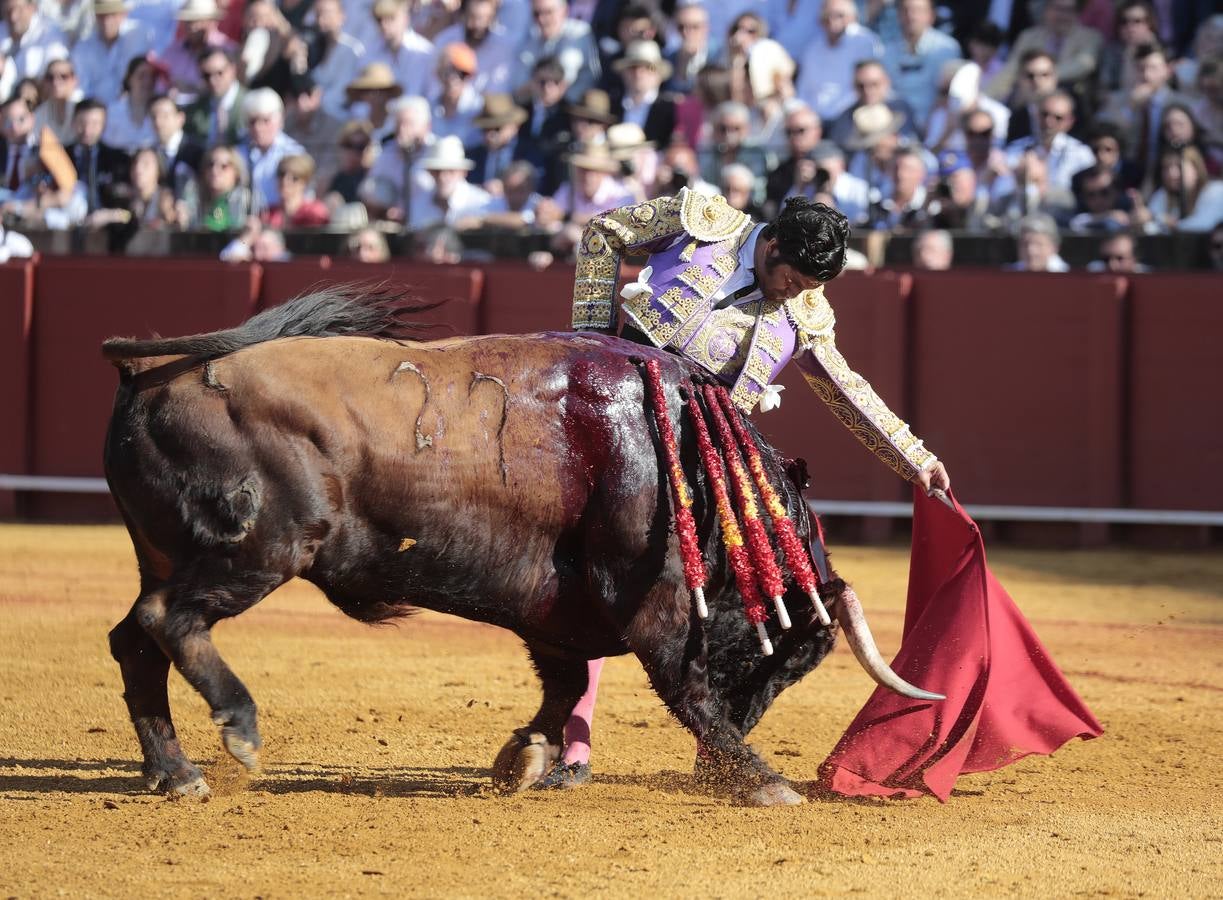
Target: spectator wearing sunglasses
(216, 117)
(544, 135)
(1063, 154)
(1075, 48)
(1118, 255)
(872, 87)
(458, 103)
(915, 59)
(61, 92)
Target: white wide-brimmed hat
(447, 153)
(626, 138)
(644, 53)
(871, 123)
(198, 11)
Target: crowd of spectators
(252, 117)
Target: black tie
(738, 295)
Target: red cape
(963, 637)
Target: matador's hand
(934, 477)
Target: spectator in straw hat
(198, 29)
(480, 28)
(590, 117)
(873, 145)
(409, 56)
(642, 71)
(638, 157)
(451, 197)
(458, 103)
(872, 85)
(334, 57)
(369, 96)
(101, 58)
(596, 186)
(498, 122)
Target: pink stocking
(577, 729)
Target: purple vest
(726, 342)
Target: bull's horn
(862, 642)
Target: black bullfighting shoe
(565, 777)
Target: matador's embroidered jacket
(693, 243)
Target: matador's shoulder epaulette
(709, 218)
(811, 315)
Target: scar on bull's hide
(210, 378)
(476, 378)
(422, 440)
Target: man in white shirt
(826, 78)
(570, 42)
(265, 146)
(915, 59)
(396, 176)
(29, 39)
(1063, 155)
(496, 50)
(102, 57)
(410, 56)
(450, 197)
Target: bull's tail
(349, 309)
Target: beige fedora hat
(375, 77)
(625, 139)
(198, 11)
(595, 157)
(499, 109)
(447, 153)
(871, 123)
(109, 7)
(644, 53)
(595, 106)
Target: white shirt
(413, 63)
(460, 124)
(744, 275)
(1066, 156)
(41, 44)
(100, 68)
(496, 58)
(1055, 264)
(826, 79)
(467, 200)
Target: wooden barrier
(1017, 384)
(1174, 438)
(16, 315)
(77, 304)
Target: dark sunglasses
(982, 134)
(797, 130)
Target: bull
(513, 480)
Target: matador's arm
(642, 228)
(848, 394)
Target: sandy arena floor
(378, 744)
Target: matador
(741, 300)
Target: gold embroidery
(685, 255)
(770, 343)
(759, 370)
(863, 412)
(725, 264)
(745, 397)
(605, 239)
(811, 314)
(720, 347)
(700, 280)
(710, 218)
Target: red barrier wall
(461, 287)
(1017, 384)
(519, 300)
(77, 304)
(871, 318)
(16, 313)
(1175, 433)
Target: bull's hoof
(242, 749)
(775, 793)
(523, 761)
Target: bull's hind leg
(530, 752)
(145, 669)
(676, 661)
(181, 624)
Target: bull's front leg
(671, 647)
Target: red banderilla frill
(681, 496)
(783, 526)
(758, 542)
(732, 538)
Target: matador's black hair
(811, 237)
